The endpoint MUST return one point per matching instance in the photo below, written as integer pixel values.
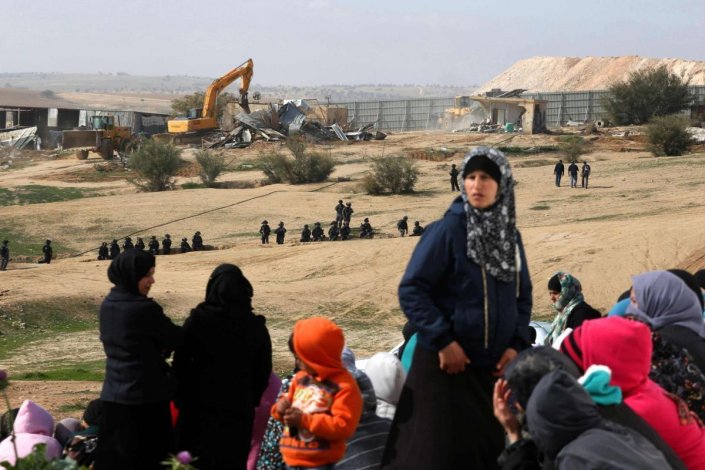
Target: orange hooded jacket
(330, 400)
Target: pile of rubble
(279, 122)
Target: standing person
(585, 173)
(306, 234)
(127, 244)
(166, 245)
(4, 255)
(217, 406)
(568, 302)
(140, 244)
(339, 213)
(103, 252)
(135, 429)
(185, 247)
(280, 231)
(573, 172)
(197, 241)
(264, 231)
(114, 249)
(317, 233)
(348, 212)
(559, 171)
(322, 408)
(48, 252)
(467, 291)
(454, 178)
(403, 226)
(153, 246)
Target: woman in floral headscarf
(566, 295)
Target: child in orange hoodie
(323, 405)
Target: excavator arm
(243, 71)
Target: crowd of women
(625, 391)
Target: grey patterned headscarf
(492, 232)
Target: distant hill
(122, 83)
(586, 73)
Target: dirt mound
(587, 73)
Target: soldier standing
(418, 230)
(4, 255)
(48, 252)
(454, 178)
(345, 231)
(114, 249)
(153, 246)
(333, 231)
(140, 244)
(403, 226)
(317, 232)
(339, 213)
(185, 247)
(103, 251)
(197, 241)
(264, 230)
(306, 234)
(280, 231)
(166, 244)
(348, 212)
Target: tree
(645, 94)
(156, 164)
(181, 106)
(304, 167)
(212, 165)
(668, 135)
(394, 174)
(573, 147)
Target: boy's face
(305, 367)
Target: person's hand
(283, 404)
(506, 358)
(500, 403)
(292, 417)
(453, 359)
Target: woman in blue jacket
(468, 293)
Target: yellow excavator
(208, 119)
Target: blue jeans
(558, 180)
(573, 181)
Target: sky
(326, 42)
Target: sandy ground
(640, 213)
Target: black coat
(688, 340)
(136, 337)
(583, 311)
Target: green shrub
(669, 136)
(573, 147)
(156, 164)
(212, 165)
(645, 94)
(302, 167)
(393, 174)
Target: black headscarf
(228, 291)
(129, 267)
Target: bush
(393, 174)
(304, 167)
(645, 94)
(212, 165)
(573, 147)
(155, 163)
(669, 136)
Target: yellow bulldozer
(103, 137)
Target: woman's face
(144, 284)
(481, 189)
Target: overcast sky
(318, 42)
